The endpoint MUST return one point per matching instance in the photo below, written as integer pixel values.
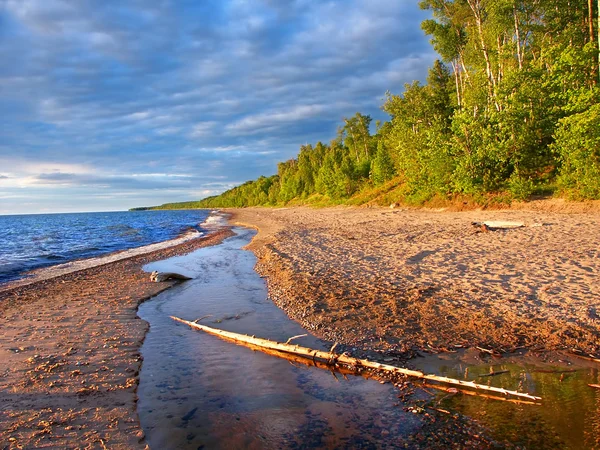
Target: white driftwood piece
(347, 360)
(498, 224)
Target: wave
(39, 241)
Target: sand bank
(404, 280)
(69, 352)
(395, 281)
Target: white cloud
(99, 91)
(255, 123)
(203, 129)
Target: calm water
(567, 418)
(198, 391)
(32, 241)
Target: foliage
(578, 146)
(383, 166)
(510, 108)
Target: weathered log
(159, 277)
(355, 364)
(494, 373)
(580, 354)
(453, 390)
(492, 225)
(488, 351)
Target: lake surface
(33, 241)
(198, 391)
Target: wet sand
(403, 281)
(375, 280)
(69, 354)
(199, 391)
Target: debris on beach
(493, 225)
(347, 364)
(159, 277)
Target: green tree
(383, 166)
(578, 145)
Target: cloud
(152, 181)
(257, 123)
(97, 91)
(203, 129)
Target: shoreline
(70, 352)
(76, 265)
(397, 282)
(213, 221)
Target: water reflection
(569, 416)
(197, 391)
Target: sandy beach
(407, 280)
(69, 354)
(381, 282)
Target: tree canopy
(510, 107)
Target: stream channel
(198, 391)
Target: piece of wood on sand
(354, 364)
(503, 224)
(493, 225)
(159, 277)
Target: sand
(70, 353)
(81, 264)
(407, 280)
(376, 280)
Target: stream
(198, 391)
(567, 418)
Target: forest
(510, 110)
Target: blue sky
(110, 104)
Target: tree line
(509, 109)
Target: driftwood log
(355, 365)
(159, 277)
(580, 354)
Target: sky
(111, 104)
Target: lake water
(33, 241)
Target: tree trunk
(518, 37)
(476, 8)
(353, 139)
(335, 360)
(592, 38)
(500, 72)
(457, 83)
(591, 19)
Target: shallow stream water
(568, 417)
(198, 391)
